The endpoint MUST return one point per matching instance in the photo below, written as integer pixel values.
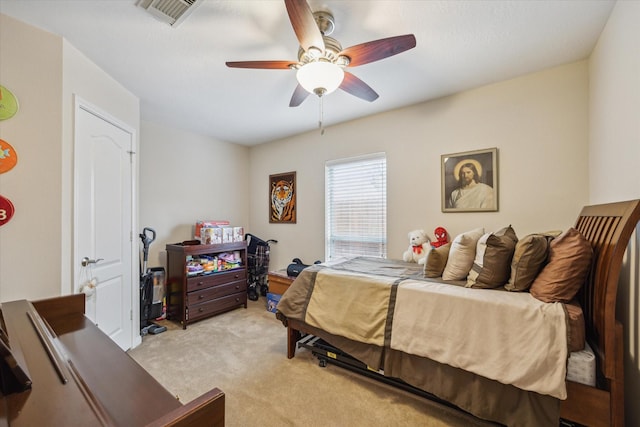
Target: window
(356, 207)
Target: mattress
(582, 366)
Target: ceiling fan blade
(299, 95)
(378, 49)
(356, 87)
(304, 24)
(270, 65)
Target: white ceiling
(180, 76)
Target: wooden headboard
(609, 228)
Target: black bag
(294, 269)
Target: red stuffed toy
(442, 237)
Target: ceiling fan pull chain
(321, 117)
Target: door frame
(80, 103)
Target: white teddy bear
(420, 244)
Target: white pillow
(462, 254)
(478, 260)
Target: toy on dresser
(419, 245)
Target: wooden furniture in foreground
(77, 376)
(609, 228)
(192, 298)
(279, 282)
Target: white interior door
(103, 222)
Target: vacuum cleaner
(151, 288)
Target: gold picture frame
(470, 181)
(282, 198)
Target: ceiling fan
(321, 59)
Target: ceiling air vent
(171, 12)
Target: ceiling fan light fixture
(321, 58)
(320, 78)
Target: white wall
(34, 184)
(186, 177)
(614, 151)
(45, 72)
(538, 122)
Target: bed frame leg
(292, 338)
(617, 384)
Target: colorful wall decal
(6, 210)
(8, 156)
(8, 103)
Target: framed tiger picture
(282, 198)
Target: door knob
(86, 261)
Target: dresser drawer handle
(237, 299)
(200, 283)
(200, 309)
(235, 276)
(200, 296)
(237, 286)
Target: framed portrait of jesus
(470, 181)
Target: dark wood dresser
(192, 297)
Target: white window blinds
(356, 207)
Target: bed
(477, 385)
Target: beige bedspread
(505, 336)
(509, 337)
(351, 305)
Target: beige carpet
(243, 353)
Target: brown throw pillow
(528, 259)
(492, 264)
(569, 263)
(436, 261)
(576, 326)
